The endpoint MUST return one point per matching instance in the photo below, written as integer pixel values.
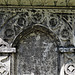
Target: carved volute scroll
(5, 58)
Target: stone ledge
(7, 50)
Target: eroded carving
(68, 62)
(5, 57)
(37, 17)
(53, 22)
(21, 21)
(67, 49)
(4, 65)
(3, 44)
(5, 47)
(9, 33)
(64, 33)
(70, 68)
(60, 24)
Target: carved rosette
(37, 17)
(70, 68)
(64, 34)
(54, 21)
(9, 33)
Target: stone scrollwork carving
(23, 18)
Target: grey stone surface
(37, 35)
(36, 54)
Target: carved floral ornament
(54, 22)
(37, 17)
(57, 23)
(70, 68)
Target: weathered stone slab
(5, 48)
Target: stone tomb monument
(43, 38)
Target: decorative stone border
(5, 60)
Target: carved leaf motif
(21, 21)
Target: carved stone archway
(25, 29)
(36, 46)
(37, 27)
